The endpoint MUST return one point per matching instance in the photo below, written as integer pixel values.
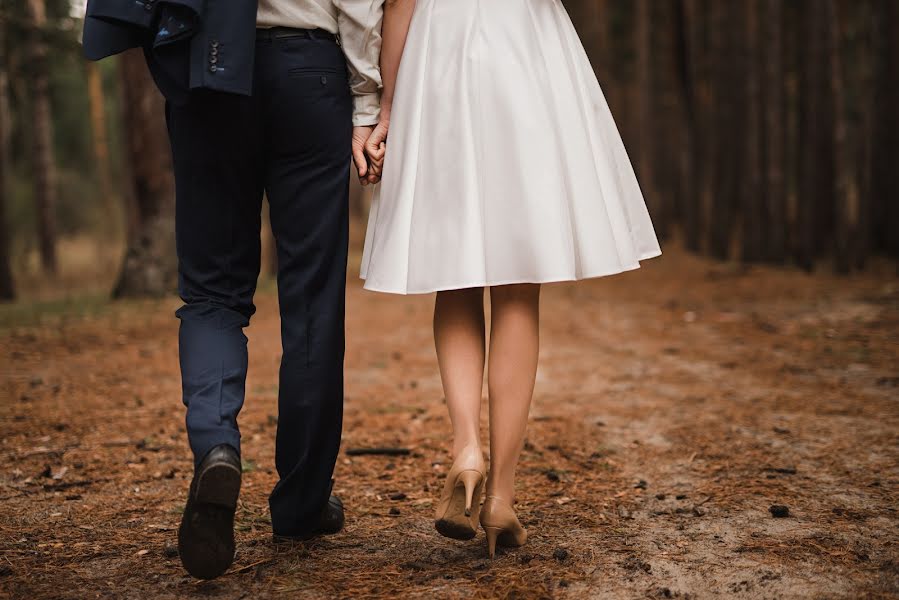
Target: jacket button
(148, 5)
(213, 69)
(213, 60)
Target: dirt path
(674, 406)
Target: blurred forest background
(762, 131)
(700, 428)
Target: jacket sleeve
(113, 26)
(359, 29)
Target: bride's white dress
(503, 164)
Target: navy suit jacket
(188, 44)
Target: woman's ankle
(503, 493)
(467, 445)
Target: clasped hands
(369, 148)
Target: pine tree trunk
(885, 176)
(775, 126)
(645, 96)
(668, 124)
(7, 285)
(729, 80)
(753, 205)
(601, 16)
(100, 139)
(892, 123)
(866, 122)
(150, 265)
(846, 183)
(815, 149)
(43, 162)
(694, 89)
(592, 18)
(683, 93)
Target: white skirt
(503, 164)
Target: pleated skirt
(504, 164)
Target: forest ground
(674, 406)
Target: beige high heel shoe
(460, 504)
(501, 525)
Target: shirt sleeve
(359, 28)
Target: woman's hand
(375, 150)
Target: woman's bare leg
(514, 346)
(459, 336)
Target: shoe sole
(455, 523)
(455, 529)
(206, 534)
(219, 485)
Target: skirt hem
(444, 288)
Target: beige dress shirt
(358, 25)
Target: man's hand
(360, 136)
(376, 149)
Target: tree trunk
(150, 265)
(846, 189)
(7, 286)
(645, 96)
(885, 176)
(695, 91)
(816, 199)
(43, 162)
(860, 74)
(100, 140)
(686, 147)
(668, 144)
(601, 17)
(592, 18)
(729, 79)
(775, 189)
(753, 206)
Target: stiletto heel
(492, 534)
(460, 505)
(471, 480)
(501, 525)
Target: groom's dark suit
(289, 138)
